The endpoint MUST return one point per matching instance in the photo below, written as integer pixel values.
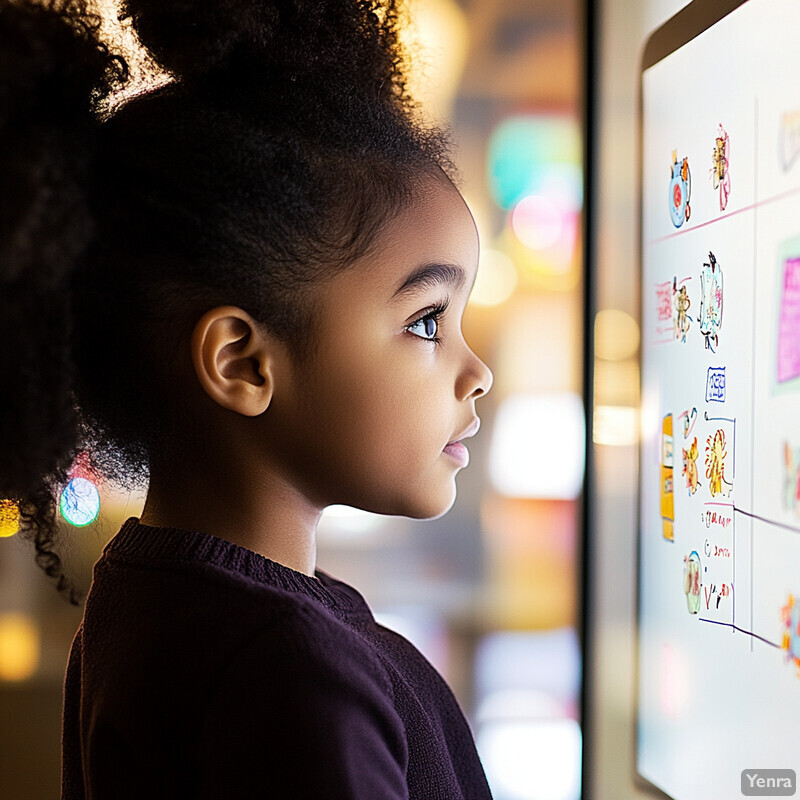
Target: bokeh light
(437, 36)
(9, 518)
(20, 647)
(532, 759)
(537, 222)
(616, 426)
(538, 447)
(80, 502)
(616, 335)
(535, 176)
(496, 280)
(342, 524)
(535, 154)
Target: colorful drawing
(789, 147)
(664, 302)
(681, 321)
(690, 467)
(711, 301)
(790, 641)
(691, 581)
(718, 517)
(680, 190)
(667, 488)
(791, 481)
(689, 418)
(789, 325)
(720, 166)
(716, 455)
(716, 594)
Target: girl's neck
(236, 503)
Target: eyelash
(435, 313)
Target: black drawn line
(741, 630)
(774, 523)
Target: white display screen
(719, 553)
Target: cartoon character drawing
(711, 301)
(680, 190)
(689, 418)
(681, 320)
(791, 481)
(720, 165)
(790, 615)
(690, 467)
(789, 143)
(716, 453)
(691, 581)
(667, 488)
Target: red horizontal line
(767, 201)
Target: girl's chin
(436, 507)
(431, 501)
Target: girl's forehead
(432, 243)
(436, 227)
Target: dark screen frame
(589, 32)
(679, 30)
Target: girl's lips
(456, 449)
(458, 452)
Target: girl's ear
(234, 360)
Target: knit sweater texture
(204, 670)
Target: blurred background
(492, 592)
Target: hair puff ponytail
(52, 71)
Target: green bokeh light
(532, 153)
(80, 502)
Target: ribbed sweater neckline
(150, 544)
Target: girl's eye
(426, 327)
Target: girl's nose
(475, 379)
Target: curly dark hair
(277, 151)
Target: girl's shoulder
(155, 585)
(243, 663)
(181, 559)
(201, 613)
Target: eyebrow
(428, 276)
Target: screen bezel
(676, 32)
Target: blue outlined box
(715, 385)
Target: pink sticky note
(789, 329)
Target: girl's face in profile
(373, 418)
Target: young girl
(246, 285)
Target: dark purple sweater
(204, 670)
